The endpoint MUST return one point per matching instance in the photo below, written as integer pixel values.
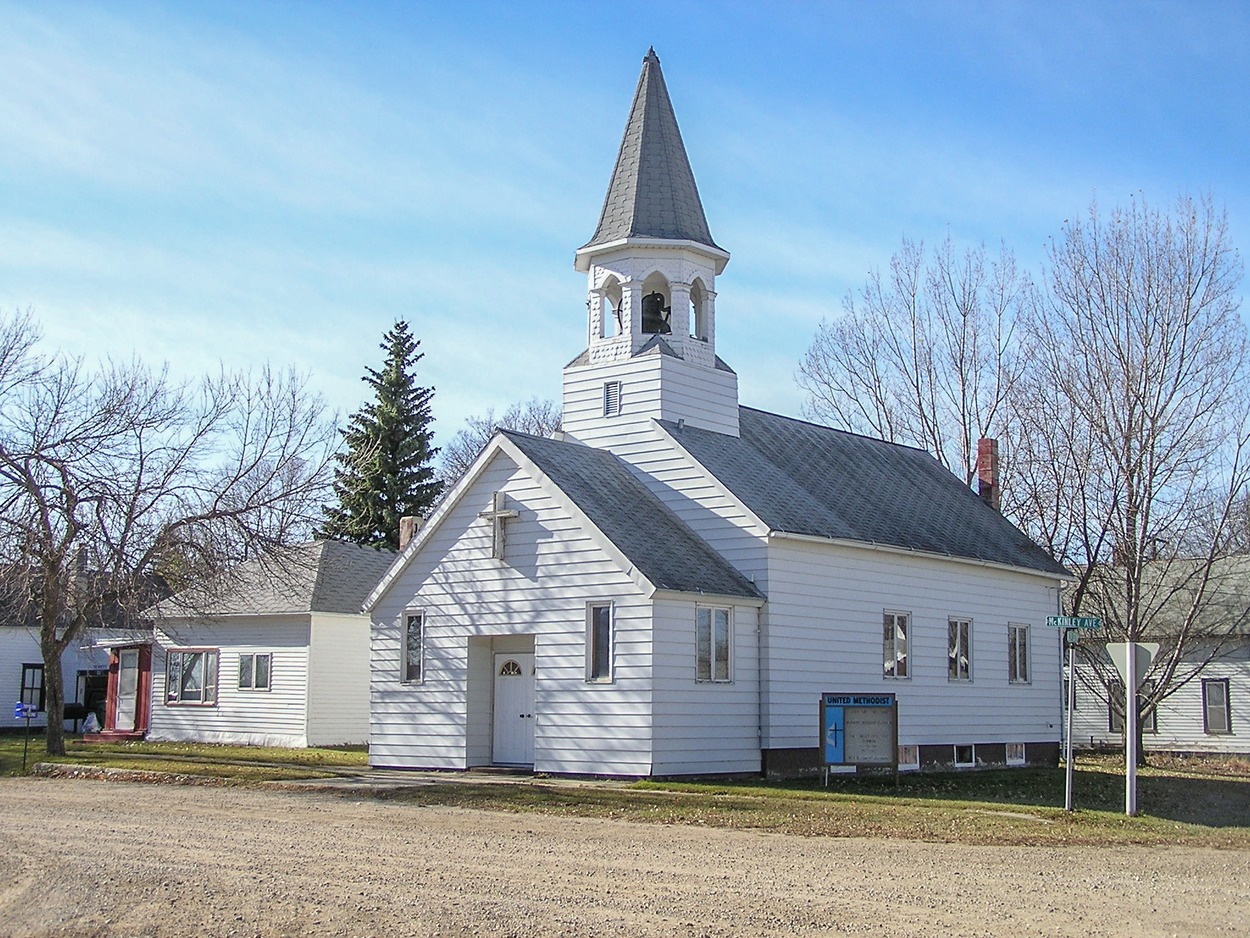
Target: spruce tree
(384, 472)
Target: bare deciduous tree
(536, 416)
(118, 484)
(1138, 423)
(928, 356)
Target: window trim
(1021, 759)
(23, 688)
(729, 644)
(892, 675)
(972, 755)
(610, 676)
(1014, 631)
(909, 765)
(253, 686)
(1206, 708)
(405, 665)
(210, 689)
(611, 405)
(962, 624)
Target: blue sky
(248, 182)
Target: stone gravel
(93, 858)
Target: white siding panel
(1180, 715)
(276, 717)
(338, 680)
(824, 633)
(474, 604)
(704, 728)
(20, 645)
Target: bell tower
(651, 271)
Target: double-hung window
(414, 647)
(1216, 715)
(191, 676)
(32, 685)
(959, 649)
(1018, 654)
(894, 648)
(255, 671)
(599, 643)
(713, 642)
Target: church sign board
(859, 730)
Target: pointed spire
(652, 193)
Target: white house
(84, 671)
(670, 585)
(278, 657)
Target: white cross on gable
(498, 514)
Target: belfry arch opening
(698, 311)
(657, 311)
(610, 309)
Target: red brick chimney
(987, 472)
(409, 525)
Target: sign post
(26, 711)
(1070, 625)
(1132, 660)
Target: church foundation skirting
(797, 763)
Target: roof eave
(913, 552)
(718, 256)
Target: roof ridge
(825, 426)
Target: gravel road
(90, 858)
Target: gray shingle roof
(321, 576)
(663, 549)
(652, 193)
(802, 478)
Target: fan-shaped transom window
(510, 669)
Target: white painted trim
(707, 599)
(583, 257)
(591, 606)
(911, 552)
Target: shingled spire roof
(652, 193)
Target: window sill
(190, 703)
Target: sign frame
(834, 710)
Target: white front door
(514, 709)
(127, 689)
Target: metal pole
(1130, 732)
(26, 742)
(1067, 783)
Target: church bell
(655, 314)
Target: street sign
(23, 711)
(1074, 622)
(1146, 652)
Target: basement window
(965, 756)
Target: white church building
(668, 586)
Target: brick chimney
(987, 473)
(409, 525)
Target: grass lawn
(1191, 802)
(234, 764)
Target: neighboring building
(1208, 711)
(84, 670)
(278, 656)
(669, 585)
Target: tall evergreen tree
(385, 472)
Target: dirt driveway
(114, 859)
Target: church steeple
(651, 268)
(652, 193)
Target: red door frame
(143, 690)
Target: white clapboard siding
(824, 634)
(699, 501)
(1180, 715)
(704, 728)
(338, 680)
(274, 717)
(652, 386)
(19, 645)
(475, 605)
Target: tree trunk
(53, 695)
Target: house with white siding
(669, 585)
(1207, 679)
(277, 654)
(84, 670)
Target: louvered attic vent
(611, 398)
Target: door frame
(497, 660)
(143, 689)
